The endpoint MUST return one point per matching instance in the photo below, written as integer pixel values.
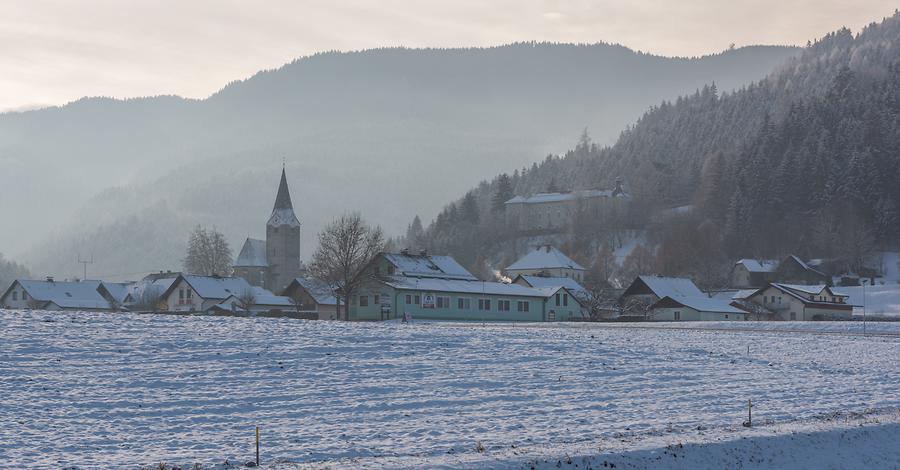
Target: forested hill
(388, 132)
(805, 161)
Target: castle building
(552, 212)
(274, 262)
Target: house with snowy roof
(694, 308)
(274, 262)
(553, 211)
(747, 273)
(547, 261)
(803, 302)
(114, 292)
(546, 281)
(256, 301)
(190, 293)
(314, 296)
(793, 270)
(439, 288)
(54, 295)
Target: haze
(52, 52)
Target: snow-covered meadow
(125, 390)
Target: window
(24, 295)
(503, 305)
(442, 302)
(390, 270)
(180, 294)
(726, 315)
(557, 300)
(16, 295)
(522, 305)
(463, 303)
(484, 304)
(376, 299)
(189, 294)
(408, 299)
(565, 299)
(364, 301)
(418, 299)
(678, 315)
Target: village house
(747, 273)
(189, 293)
(553, 211)
(546, 261)
(794, 270)
(650, 289)
(258, 301)
(438, 288)
(803, 302)
(546, 281)
(274, 262)
(313, 296)
(54, 295)
(694, 308)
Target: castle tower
(282, 240)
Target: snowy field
(92, 390)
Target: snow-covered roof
(702, 304)
(212, 287)
(156, 287)
(66, 294)
(318, 290)
(253, 254)
(804, 265)
(118, 290)
(812, 290)
(759, 266)
(743, 294)
(542, 281)
(671, 286)
(540, 198)
(462, 286)
(544, 257)
(428, 266)
(265, 298)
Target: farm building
(748, 273)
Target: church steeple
(283, 199)
(283, 211)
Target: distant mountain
(805, 161)
(390, 132)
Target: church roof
(283, 212)
(253, 254)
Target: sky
(56, 51)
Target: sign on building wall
(385, 303)
(428, 301)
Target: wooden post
(257, 446)
(749, 412)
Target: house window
(390, 270)
(484, 304)
(364, 301)
(16, 295)
(376, 299)
(565, 299)
(418, 299)
(463, 303)
(503, 305)
(442, 302)
(726, 315)
(180, 294)
(522, 305)
(678, 315)
(408, 299)
(557, 300)
(189, 294)
(24, 295)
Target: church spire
(283, 199)
(283, 212)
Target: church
(274, 262)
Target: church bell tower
(282, 240)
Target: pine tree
(469, 208)
(503, 193)
(415, 234)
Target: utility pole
(84, 263)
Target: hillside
(413, 126)
(805, 161)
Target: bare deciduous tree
(345, 247)
(208, 253)
(247, 299)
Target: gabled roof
(542, 281)
(253, 254)
(812, 290)
(117, 290)
(265, 298)
(700, 304)
(545, 257)
(802, 293)
(666, 287)
(759, 266)
(318, 290)
(65, 294)
(548, 292)
(211, 287)
(425, 265)
(803, 265)
(154, 285)
(462, 286)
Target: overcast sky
(55, 51)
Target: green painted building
(438, 288)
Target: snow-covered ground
(879, 299)
(125, 390)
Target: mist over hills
(389, 132)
